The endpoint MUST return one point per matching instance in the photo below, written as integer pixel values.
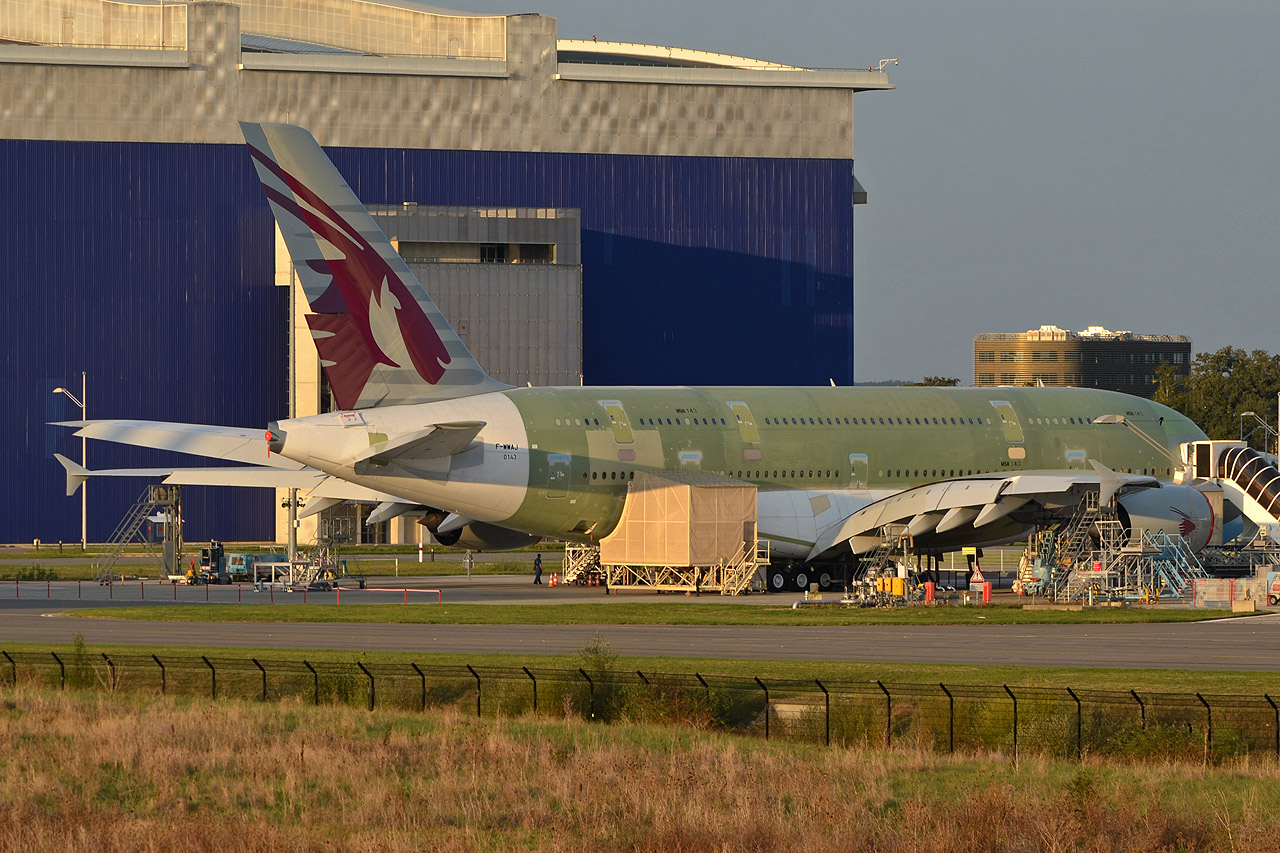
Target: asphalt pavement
(38, 612)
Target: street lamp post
(1263, 425)
(1244, 415)
(84, 499)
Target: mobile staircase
(1060, 549)
(167, 499)
(580, 561)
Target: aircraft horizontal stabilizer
(252, 477)
(235, 444)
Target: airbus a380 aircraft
(424, 429)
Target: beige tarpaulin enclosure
(682, 518)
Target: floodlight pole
(84, 463)
(1263, 425)
(84, 460)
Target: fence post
(164, 680)
(1015, 724)
(372, 685)
(1079, 726)
(111, 666)
(1142, 706)
(13, 664)
(213, 675)
(951, 719)
(706, 687)
(263, 670)
(888, 715)
(422, 675)
(535, 687)
(591, 685)
(827, 697)
(63, 667)
(315, 677)
(477, 675)
(766, 705)
(642, 678)
(1208, 734)
(1275, 730)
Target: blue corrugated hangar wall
(150, 266)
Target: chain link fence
(1060, 722)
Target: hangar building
(697, 214)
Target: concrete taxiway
(33, 613)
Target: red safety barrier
(930, 589)
(406, 591)
(986, 592)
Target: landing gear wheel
(825, 580)
(801, 581)
(777, 581)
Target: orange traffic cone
(555, 579)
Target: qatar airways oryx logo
(366, 316)
(1186, 526)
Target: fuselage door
(859, 468)
(1008, 421)
(746, 422)
(619, 421)
(559, 468)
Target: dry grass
(86, 771)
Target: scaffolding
(167, 501)
(680, 531)
(1139, 566)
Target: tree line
(1220, 391)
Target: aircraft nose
(275, 437)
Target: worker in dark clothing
(537, 569)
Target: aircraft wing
(972, 503)
(235, 444)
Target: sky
(1100, 162)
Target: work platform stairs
(579, 562)
(884, 555)
(153, 497)
(1060, 548)
(1153, 565)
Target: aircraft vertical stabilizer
(381, 338)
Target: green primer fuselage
(585, 444)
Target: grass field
(679, 612)
(87, 771)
